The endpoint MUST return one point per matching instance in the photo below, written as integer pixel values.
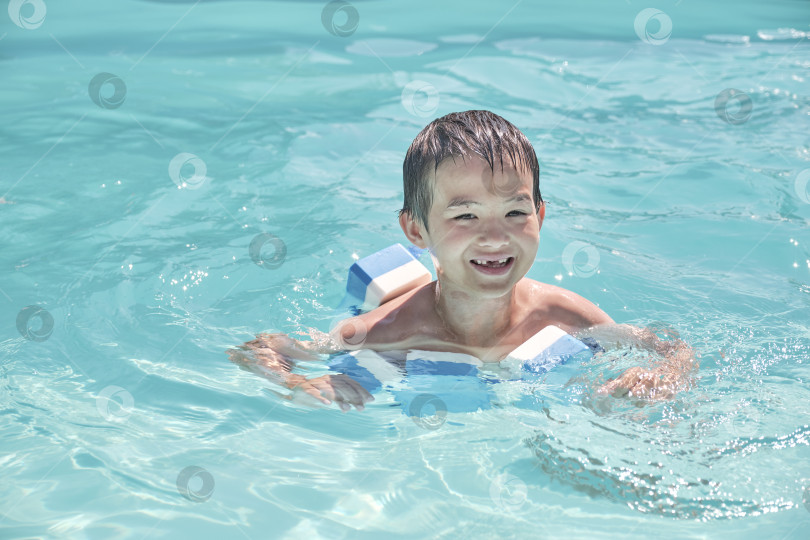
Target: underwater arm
(662, 381)
(272, 355)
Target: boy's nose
(493, 235)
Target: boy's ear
(412, 230)
(541, 214)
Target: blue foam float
(454, 379)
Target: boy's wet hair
(463, 134)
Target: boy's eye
(465, 217)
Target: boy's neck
(471, 320)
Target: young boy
(472, 198)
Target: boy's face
(479, 216)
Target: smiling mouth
(500, 263)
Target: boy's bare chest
(413, 323)
(424, 330)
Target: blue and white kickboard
(454, 378)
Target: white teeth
(481, 261)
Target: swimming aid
(456, 379)
(382, 276)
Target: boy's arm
(660, 382)
(272, 355)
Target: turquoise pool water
(130, 201)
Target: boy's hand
(638, 382)
(339, 388)
(268, 359)
(268, 356)
(282, 344)
(672, 374)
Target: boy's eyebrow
(461, 201)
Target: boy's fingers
(324, 389)
(626, 383)
(364, 394)
(350, 395)
(637, 382)
(339, 392)
(340, 389)
(345, 406)
(350, 390)
(312, 388)
(314, 392)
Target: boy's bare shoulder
(397, 324)
(410, 321)
(562, 307)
